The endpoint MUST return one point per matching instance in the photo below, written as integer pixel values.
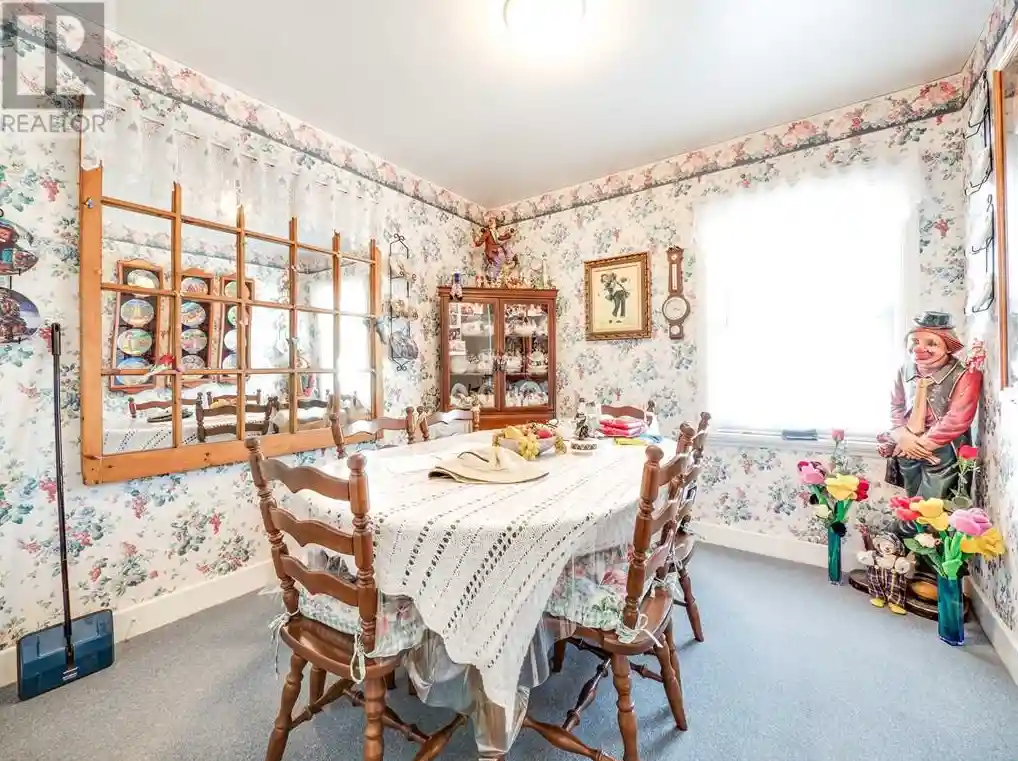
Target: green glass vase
(950, 611)
(833, 557)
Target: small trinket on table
(888, 565)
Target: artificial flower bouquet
(832, 493)
(947, 533)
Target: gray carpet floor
(792, 670)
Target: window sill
(860, 447)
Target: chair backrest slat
(627, 411)
(471, 417)
(318, 582)
(279, 521)
(306, 532)
(364, 431)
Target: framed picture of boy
(617, 296)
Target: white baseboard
(1001, 637)
(786, 548)
(149, 615)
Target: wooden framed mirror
(180, 362)
(1005, 165)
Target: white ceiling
(441, 88)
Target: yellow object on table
(632, 442)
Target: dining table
(480, 563)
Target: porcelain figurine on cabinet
(933, 404)
(499, 260)
(888, 566)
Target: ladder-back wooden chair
(346, 646)
(369, 431)
(159, 404)
(685, 542)
(635, 412)
(645, 624)
(471, 417)
(210, 425)
(255, 398)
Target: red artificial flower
(863, 490)
(903, 508)
(968, 452)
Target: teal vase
(950, 611)
(833, 557)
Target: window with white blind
(804, 302)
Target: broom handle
(61, 513)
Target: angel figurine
(497, 253)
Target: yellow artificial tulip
(970, 545)
(991, 544)
(822, 511)
(931, 513)
(842, 487)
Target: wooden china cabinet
(498, 347)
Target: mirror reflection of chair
(308, 418)
(229, 426)
(472, 419)
(369, 431)
(255, 398)
(165, 405)
(364, 639)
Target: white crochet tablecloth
(480, 560)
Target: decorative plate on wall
(14, 259)
(192, 314)
(132, 363)
(193, 341)
(137, 312)
(231, 315)
(194, 285)
(230, 340)
(230, 362)
(192, 362)
(142, 279)
(134, 342)
(19, 317)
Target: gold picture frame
(616, 294)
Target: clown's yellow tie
(917, 420)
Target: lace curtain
(807, 289)
(147, 144)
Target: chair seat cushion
(399, 625)
(591, 591)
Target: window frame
(98, 467)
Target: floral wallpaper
(141, 539)
(998, 418)
(752, 489)
(137, 540)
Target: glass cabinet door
(526, 358)
(472, 354)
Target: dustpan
(65, 652)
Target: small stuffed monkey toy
(887, 568)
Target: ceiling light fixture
(543, 21)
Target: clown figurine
(933, 403)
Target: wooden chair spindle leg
(316, 685)
(284, 719)
(374, 709)
(669, 661)
(627, 717)
(559, 658)
(586, 697)
(692, 611)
